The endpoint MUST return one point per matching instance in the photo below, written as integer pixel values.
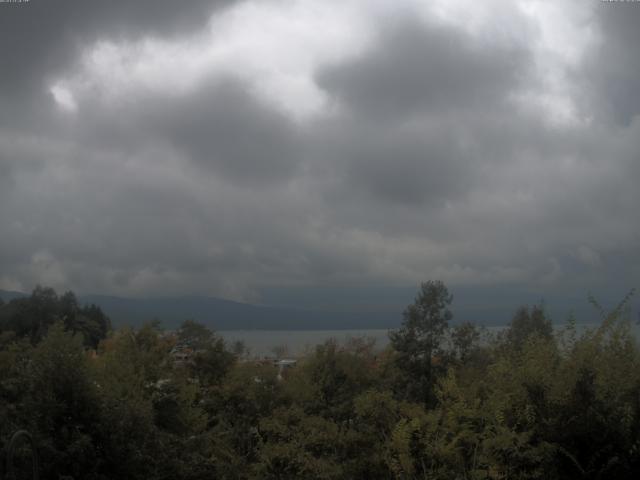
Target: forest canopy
(442, 401)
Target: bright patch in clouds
(63, 97)
(277, 46)
(274, 46)
(559, 34)
(564, 35)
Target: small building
(283, 364)
(181, 355)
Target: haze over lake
(261, 343)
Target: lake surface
(297, 342)
(261, 343)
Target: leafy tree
(420, 337)
(210, 359)
(195, 335)
(31, 317)
(464, 340)
(61, 401)
(15, 360)
(529, 405)
(442, 443)
(93, 324)
(212, 363)
(527, 322)
(249, 393)
(337, 376)
(378, 414)
(127, 369)
(297, 445)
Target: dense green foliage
(440, 403)
(419, 341)
(31, 317)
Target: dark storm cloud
(101, 199)
(223, 127)
(440, 154)
(492, 178)
(421, 104)
(220, 127)
(43, 37)
(613, 68)
(414, 68)
(407, 165)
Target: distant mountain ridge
(337, 310)
(8, 295)
(221, 314)
(228, 315)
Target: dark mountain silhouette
(8, 295)
(227, 315)
(331, 310)
(221, 314)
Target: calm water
(297, 342)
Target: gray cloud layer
(414, 68)
(439, 154)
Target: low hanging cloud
(226, 129)
(413, 69)
(222, 147)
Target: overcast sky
(214, 147)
